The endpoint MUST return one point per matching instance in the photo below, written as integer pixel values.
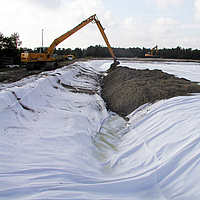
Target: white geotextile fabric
(57, 142)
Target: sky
(127, 23)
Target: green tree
(78, 53)
(9, 46)
(1, 44)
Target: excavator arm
(35, 60)
(60, 39)
(156, 47)
(101, 29)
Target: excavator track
(50, 65)
(30, 66)
(41, 65)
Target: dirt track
(10, 75)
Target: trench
(107, 140)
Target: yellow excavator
(150, 54)
(44, 56)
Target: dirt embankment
(125, 89)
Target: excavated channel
(107, 140)
(125, 90)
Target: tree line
(103, 52)
(10, 47)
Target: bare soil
(10, 75)
(125, 89)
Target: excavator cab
(41, 49)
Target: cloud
(165, 4)
(164, 31)
(163, 26)
(29, 17)
(161, 31)
(132, 33)
(44, 4)
(197, 10)
(56, 17)
(80, 10)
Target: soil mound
(125, 89)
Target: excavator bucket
(114, 64)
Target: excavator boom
(101, 29)
(35, 58)
(60, 39)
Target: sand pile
(125, 89)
